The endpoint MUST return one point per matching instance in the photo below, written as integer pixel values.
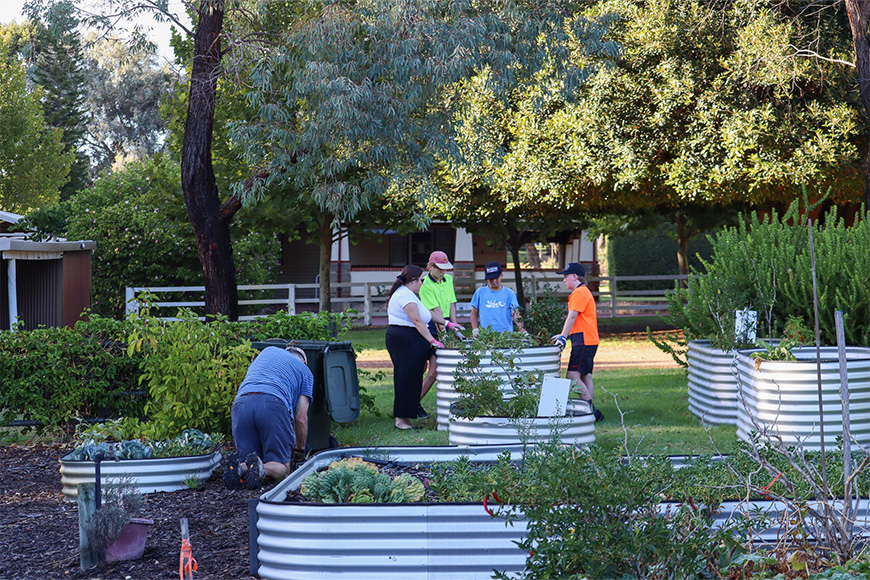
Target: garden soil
(39, 530)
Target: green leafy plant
(192, 371)
(193, 481)
(191, 442)
(485, 392)
(544, 315)
(782, 351)
(356, 481)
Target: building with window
(379, 256)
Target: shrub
(302, 326)
(192, 371)
(482, 391)
(544, 315)
(52, 375)
(186, 373)
(764, 264)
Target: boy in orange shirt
(581, 326)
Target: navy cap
(492, 270)
(573, 268)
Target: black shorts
(582, 355)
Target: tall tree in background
(126, 87)
(699, 111)
(33, 161)
(350, 106)
(859, 19)
(59, 69)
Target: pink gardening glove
(436, 344)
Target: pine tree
(58, 69)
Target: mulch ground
(39, 530)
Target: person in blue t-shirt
(270, 417)
(495, 306)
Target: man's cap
(440, 260)
(573, 268)
(492, 270)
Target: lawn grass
(654, 403)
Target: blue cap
(573, 268)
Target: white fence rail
(369, 298)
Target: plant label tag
(746, 325)
(554, 397)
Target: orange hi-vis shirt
(582, 301)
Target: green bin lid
(341, 383)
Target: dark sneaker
(599, 416)
(421, 413)
(232, 477)
(256, 473)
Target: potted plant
(497, 399)
(113, 530)
(163, 465)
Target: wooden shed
(45, 283)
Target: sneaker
(599, 416)
(421, 413)
(232, 479)
(256, 473)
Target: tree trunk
(210, 219)
(325, 262)
(682, 245)
(534, 256)
(518, 272)
(859, 13)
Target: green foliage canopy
(350, 105)
(33, 163)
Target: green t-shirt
(438, 294)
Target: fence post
(612, 286)
(291, 299)
(367, 304)
(131, 304)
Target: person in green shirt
(437, 293)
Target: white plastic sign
(554, 397)
(746, 325)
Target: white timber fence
(369, 298)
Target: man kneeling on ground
(270, 418)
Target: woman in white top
(409, 343)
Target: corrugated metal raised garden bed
(147, 475)
(783, 397)
(546, 359)
(296, 539)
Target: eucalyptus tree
(126, 87)
(354, 103)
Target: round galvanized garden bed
(783, 396)
(546, 359)
(148, 475)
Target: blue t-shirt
(278, 372)
(496, 307)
